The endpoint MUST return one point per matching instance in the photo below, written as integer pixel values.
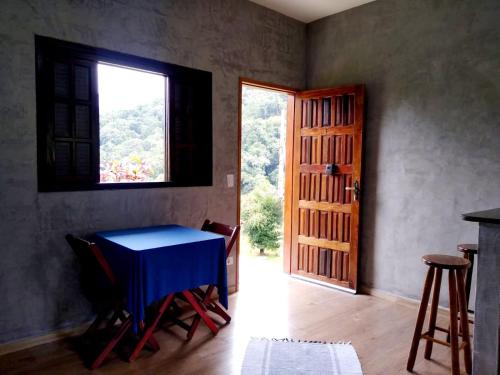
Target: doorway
(321, 154)
(266, 112)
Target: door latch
(355, 189)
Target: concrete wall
(432, 70)
(230, 38)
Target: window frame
(174, 74)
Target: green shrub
(262, 216)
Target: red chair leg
(194, 326)
(198, 292)
(206, 304)
(205, 299)
(208, 295)
(149, 331)
(215, 308)
(151, 339)
(201, 313)
(112, 343)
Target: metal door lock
(330, 169)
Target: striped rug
(285, 356)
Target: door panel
(325, 209)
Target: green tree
(262, 216)
(133, 139)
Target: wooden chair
(204, 297)
(107, 301)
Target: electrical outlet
(230, 180)
(229, 261)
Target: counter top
(488, 216)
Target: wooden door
(326, 169)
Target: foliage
(262, 216)
(261, 119)
(132, 169)
(132, 144)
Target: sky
(124, 88)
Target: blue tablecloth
(156, 261)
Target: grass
(248, 251)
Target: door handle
(355, 189)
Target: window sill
(120, 186)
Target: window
(108, 120)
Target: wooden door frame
(287, 204)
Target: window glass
(132, 141)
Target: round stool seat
(467, 248)
(445, 261)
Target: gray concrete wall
(230, 38)
(432, 70)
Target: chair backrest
(91, 258)
(224, 230)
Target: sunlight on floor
(263, 300)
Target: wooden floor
(266, 306)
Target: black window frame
(188, 107)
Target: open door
(328, 136)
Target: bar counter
(487, 310)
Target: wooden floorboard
(277, 306)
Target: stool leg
(468, 282)
(464, 321)
(455, 365)
(468, 279)
(420, 319)
(434, 308)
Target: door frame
(287, 204)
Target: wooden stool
(469, 250)
(456, 267)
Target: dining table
(155, 263)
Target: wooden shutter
(67, 112)
(190, 123)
